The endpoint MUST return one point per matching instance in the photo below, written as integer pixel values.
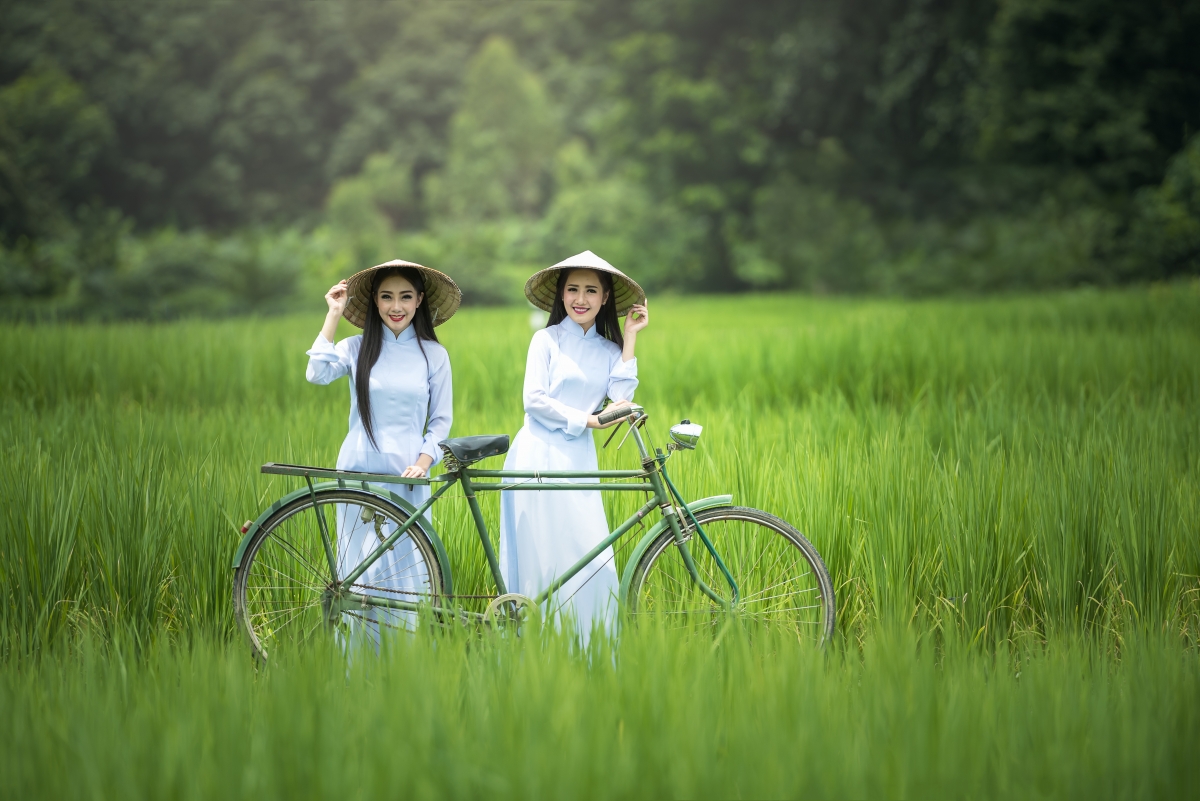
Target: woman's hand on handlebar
(594, 419)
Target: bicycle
(293, 580)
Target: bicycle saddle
(471, 449)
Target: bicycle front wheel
(284, 579)
(782, 583)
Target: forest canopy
(180, 157)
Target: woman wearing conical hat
(577, 360)
(401, 406)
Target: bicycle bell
(686, 434)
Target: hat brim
(442, 295)
(542, 287)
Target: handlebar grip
(608, 416)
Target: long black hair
(607, 323)
(372, 338)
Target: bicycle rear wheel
(782, 582)
(284, 577)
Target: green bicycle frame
(654, 481)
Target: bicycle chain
(411, 592)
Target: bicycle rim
(284, 576)
(782, 583)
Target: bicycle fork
(666, 503)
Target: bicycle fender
(262, 518)
(652, 535)
(342, 484)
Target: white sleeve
(328, 362)
(551, 413)
(622, 379)
(441, 408)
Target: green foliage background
(171, 158)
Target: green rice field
(1006, 492)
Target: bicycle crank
(511, 607)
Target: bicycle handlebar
(609, 415)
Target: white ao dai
(567, 375)
(411, 410)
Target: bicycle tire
(278, 586)
(757, 548)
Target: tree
(502, 140)
(51, 138)
(1165, 240)
(1106, 89)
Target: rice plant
(1005, 491)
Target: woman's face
(397, 301)
(583, 296)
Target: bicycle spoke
(396, 576)
(755, 596)
(259, 587)
(311, 630)
(295, 613)
(267, 619)
(302, 563)
(678, 582)
(785, 609)
(754, 567)
(287, 577)
(295, 553)
(260, 601)
(759, 601)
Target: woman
(401, 406)
(578, 359)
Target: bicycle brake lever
(614, 433)
(632, 426)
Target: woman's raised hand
(336, 297)
(637, 319)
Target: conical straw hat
(542, 285)
(441, 293)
